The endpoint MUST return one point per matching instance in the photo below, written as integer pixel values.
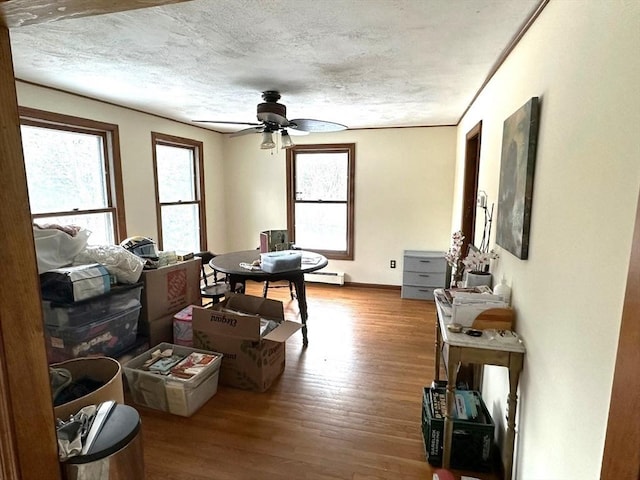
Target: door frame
(621, 457)
(26, 406)
(470, 185)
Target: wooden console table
(462, 348)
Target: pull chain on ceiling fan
(272, 118)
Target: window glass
(181, 227)
(176, 175)
(65, 170)
(73, 173)
(178, 164)
(320, 198)
(321, 226)
(99, 224)
(322, 176)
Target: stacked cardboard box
(167, 290)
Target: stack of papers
(467, 306)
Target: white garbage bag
(55, 248)
(119, 262)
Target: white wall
(581, 59)
(403, 195)
(136, 156)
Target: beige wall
(137, 165)
(581, 59)
(403, 195)
(404, 183)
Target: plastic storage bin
(472, 440)
(108, 336)
(284, 261)
(120, 299)
(182, 329)
(167, 393)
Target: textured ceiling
(362, 63)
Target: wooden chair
(211, 287)
(266, 286)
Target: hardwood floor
(347, 407)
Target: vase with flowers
(476, 263)
(454, 258)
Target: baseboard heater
(334, 278)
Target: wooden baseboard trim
(372, 285)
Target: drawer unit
(423, 272)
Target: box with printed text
(251, 333)
(169, 289)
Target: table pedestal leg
(302, 305)
(236, 283)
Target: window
(178, 167)
(320, 193)
(73, 173)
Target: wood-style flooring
(346, 407)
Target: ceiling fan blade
(246, 131)
(296, 133)
(310, 125)
(226, 123)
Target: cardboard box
(169, 289)
(168, 393)
(158, 330)
(100, 369)
(233, 327)
(272, 240)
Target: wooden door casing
(621, 459)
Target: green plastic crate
(472, 442)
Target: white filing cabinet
(423, 272)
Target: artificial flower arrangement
(454, 257)
(478, 262)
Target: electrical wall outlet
(392, 264)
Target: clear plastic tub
(119, 300)
(108, 336)
(164, 392)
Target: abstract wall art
(519, 138)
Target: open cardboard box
(99, 369)
(232, 327)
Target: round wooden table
(229, 263)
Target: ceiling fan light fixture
(286, 140)
(267, 141)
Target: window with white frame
(178, 166)
(320, 198)
(73, 173)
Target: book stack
(177, 365)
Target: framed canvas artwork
(519, 137)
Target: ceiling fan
(272, 117)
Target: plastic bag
(118, 261)
(55, 248)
